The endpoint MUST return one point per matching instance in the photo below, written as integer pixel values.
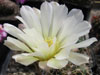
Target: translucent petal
(30, 17)
(82, 28)
(54, 4)
(59, 15)
(63, 54)
(77, 13)
(12, 30)
(37, 12)
(73, 29)
(21, 19)
(43, 65)
(85, 43)
(24, 59)
(16, 45)
(33, 37)
(46, 17)
(57, 64)
(78, 59)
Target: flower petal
(82, 29)
(34, 33)
(57, 64)
(63, 54)
(74, 17)
(21, 19)
(16, 45)
(67, 28)
(33, 37)
(77, 58)
(72, 27)
(37, 12)
(77, 13)
(12, 30)
(69, 41)
(43, 48)
(24, 59)
(30, 17)
(30, 42)
(85, 43)
(46, 17)
(59, 15)
(54, 4)
(37, 54)
(43, 65)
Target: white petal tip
(94, 39)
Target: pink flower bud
(21, 1)
(3, 34)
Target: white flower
(50, 36)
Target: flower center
(49, 41)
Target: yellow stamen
(50, 42)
